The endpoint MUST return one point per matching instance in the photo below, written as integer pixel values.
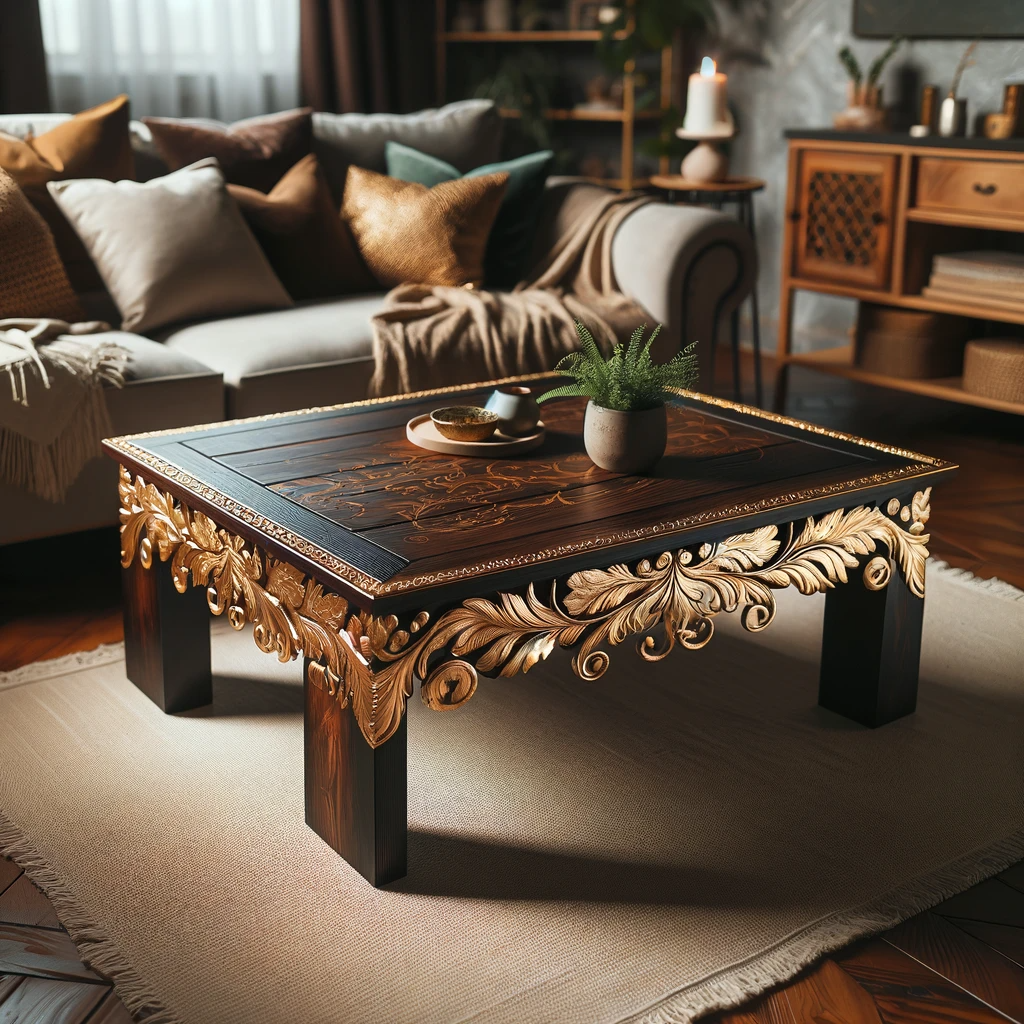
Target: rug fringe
(745, 980)
(95, 947)
(51, 668)
(993, 585)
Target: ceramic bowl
(465, 422)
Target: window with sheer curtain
(225, 59)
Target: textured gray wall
(801, 84)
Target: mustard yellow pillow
(408, 233)
(93, 144)
(32, 278)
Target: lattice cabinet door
(844, 215)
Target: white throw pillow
(170, 249)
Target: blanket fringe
(48, 470)
(78, 358)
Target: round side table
(740, 192)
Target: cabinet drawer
(972, 186)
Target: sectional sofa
(687, 266)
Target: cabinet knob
(984, 190)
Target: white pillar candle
(706, 108)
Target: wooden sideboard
(865, 214)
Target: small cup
(517, 410)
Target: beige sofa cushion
(174, 248)
(317, 353)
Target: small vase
(952, 117)
(517, 410)
(625, 442)
(863, 111)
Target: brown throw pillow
(257, 152)
(308, 244)
(32, 278)
(93, 144)
(407, 232)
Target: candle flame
(707, 68)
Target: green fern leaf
(565, 391)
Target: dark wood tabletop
(342, 494)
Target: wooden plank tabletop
(343, 489)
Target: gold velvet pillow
(32, 278)
(408, 233)
(92, 144)
(303, 236)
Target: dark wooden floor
(963, 961)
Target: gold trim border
(374, 588)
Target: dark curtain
(372, 56)
(23, 85)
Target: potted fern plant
(626, 428)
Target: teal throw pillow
(511, 238)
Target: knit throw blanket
(52, 422)
(427, 337)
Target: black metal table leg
(755, 314)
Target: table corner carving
(372, 662)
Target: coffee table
(381, 565)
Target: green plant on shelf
(523, 82)
(628, 380)
(648, 26)
(853, 69)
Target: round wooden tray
(422, 432)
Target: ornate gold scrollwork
(372, 662)
(877, 573)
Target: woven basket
(908, 343)
(994, 368)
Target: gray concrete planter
(625, 442)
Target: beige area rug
(664, 841)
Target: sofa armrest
(689, 268)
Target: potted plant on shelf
(864, 98)
(626, 427)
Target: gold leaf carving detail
(513, 632)
(372, 662)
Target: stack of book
(979, 278)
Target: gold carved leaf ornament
(373, 662)
(291, 614)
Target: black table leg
(356, 795)
(737, 386)
(871, 649)
(166, 638)
(781, 387)
(755, 315)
